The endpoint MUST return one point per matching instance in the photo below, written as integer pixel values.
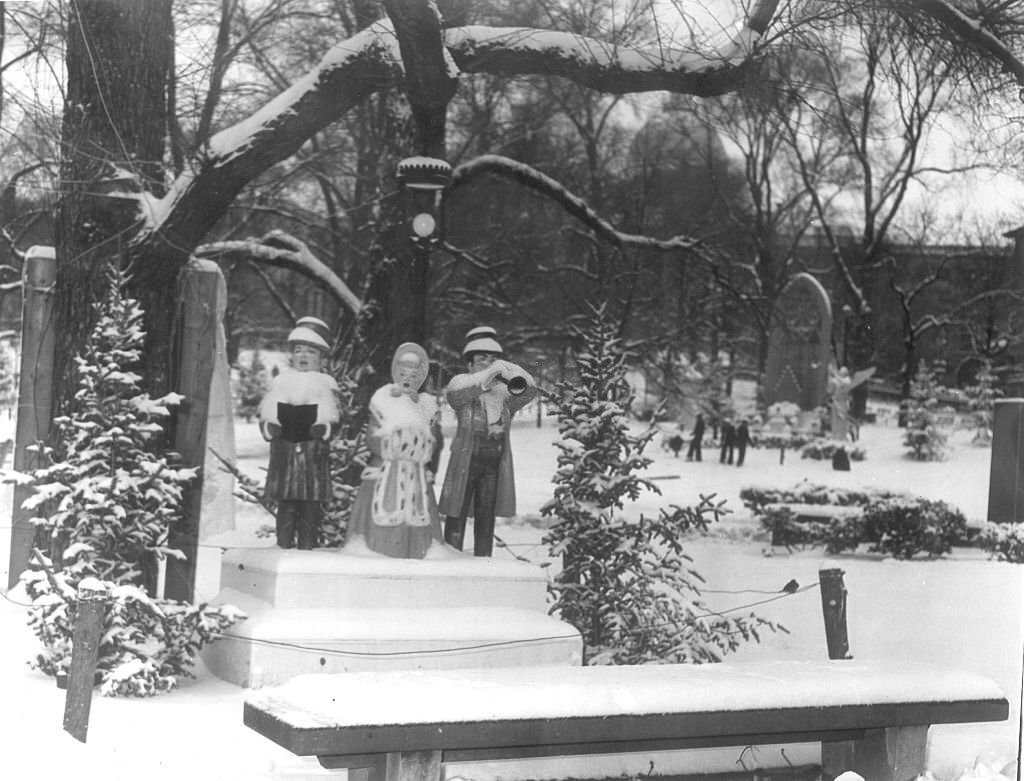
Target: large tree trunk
(119, 58)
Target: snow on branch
(542, 183)
(971, 30)
(605, 66)
(280, 249)
(371, 61)
(349, 73)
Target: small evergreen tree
(627, 585)
(8, 377)
(107, 501)
(252, 386)
(981, 402)
(923, 436)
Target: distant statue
(840, 386)
(395, 511)
(298, 416)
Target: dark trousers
(481, 493)
(741, 452)
(693, 454)
(726, 454)
(298, 519)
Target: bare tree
(117, 201)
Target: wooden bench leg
(414, 766)
(893, 754)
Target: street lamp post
(423, 180)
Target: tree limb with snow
(283, 250)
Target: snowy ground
(964, 611)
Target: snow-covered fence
(872, 718)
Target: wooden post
(1006, 475)
(414, 766)
(892, 754)
(196, 357)
(85, 645)
(833, 608)
(35, 392)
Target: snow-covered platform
(326, 611)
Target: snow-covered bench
(872, 718)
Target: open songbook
(296, 421)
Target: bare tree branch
(280, 249)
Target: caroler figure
(480, 480)
(395, 512)
(298, 416)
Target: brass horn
(516, 384)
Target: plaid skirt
(299, 471)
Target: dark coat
(698, 428)
(463, 393)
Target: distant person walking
(725, 456)
(742, 440)
(693, 454)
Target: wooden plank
(642, 746)
(775, 724)
(85, 645)
(196, 357)
(35, 394)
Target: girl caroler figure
(395, 512)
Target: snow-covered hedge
(755, 498)
(891, 524)
(822, 449)
(1005, 541)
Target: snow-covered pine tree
(252, 386)
(8, 378)
(924, 438)
(981, 402)
(626, 584)
(107, 501)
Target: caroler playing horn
(480, 479)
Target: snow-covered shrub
(905, 527)
(981, 402)
(822, 449)
(626, 584)
(785, 529)
(895, 524)
(755, 498)
(8, 377)
(146, 643)
(1005, 541)
(778, 441)
(107, 501)
(924, 438)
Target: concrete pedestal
(325, 611)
